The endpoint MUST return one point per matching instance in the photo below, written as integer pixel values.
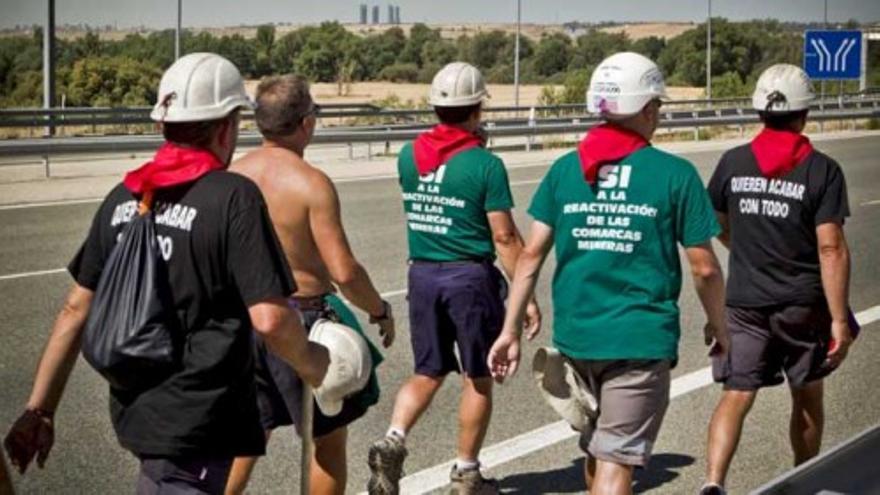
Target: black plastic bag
(132, 330)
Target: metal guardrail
(105, 144)
(35, 117)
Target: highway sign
(833, 54)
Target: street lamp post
(49, 63)
(516, 54)
(177, 30)
(709, 52)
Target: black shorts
(279, 389)
(183, 476)
(454, 304)
(767, 342)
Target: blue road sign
(833, 54)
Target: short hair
(282, 104)
(456, 115)
(782, 121)
(195, 134)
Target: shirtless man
(304, 208)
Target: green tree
(650, 47)
(400, 73)
(112, 81)
(420, 36)
(382, 50)
(264, 42)
(552, 55)
(596, 45)
(729, 85)
(486, 49)
(287, 48)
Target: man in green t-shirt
(616, 210)
(457, 203)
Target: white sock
(396, 433)
(465, 465)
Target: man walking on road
(616, 210)
(304, 208)
(228, 276)
(781, 205)
(457, 202)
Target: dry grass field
(451, 31)
(411, 95)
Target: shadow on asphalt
(662, 469)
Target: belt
(310, 303)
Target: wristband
(386, 313)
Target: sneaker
(471, 482)
(712, 489)
(386, 458)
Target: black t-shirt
(774, 257)
(222, 256)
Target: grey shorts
(633, 396)
(767, 342)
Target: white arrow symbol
(827, 56)
(820, 54)
(843, 51)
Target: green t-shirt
(618, 277)
(446, 210)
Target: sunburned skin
(291, 187)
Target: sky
(209, 13)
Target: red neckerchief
(780, 152)
(607, 143)
(435, 147)
(171, 166)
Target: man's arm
(508, 242)
(835, 267)
(347, 273)
(709, 283)
(32, 433)
(281, 328)
(504, 355)
(724, 222)
(509, 245)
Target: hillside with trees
(96, 72)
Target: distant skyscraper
(390, 14)
(397, 14)
(375, 14)
(364, 13)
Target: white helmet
(200, 87)
(458, 85)
(623, 84)
(563, 389)
(350, 364)
(783, 88)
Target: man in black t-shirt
(782, 206)
(227, 274)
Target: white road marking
(33, 274)
(527, 443)
(524, 182)
(871, 203)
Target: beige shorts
(633, 396)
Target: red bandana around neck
(780, 152)
(172, 165)
(435, 147)
(606, 143)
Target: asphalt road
(87, 459)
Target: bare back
(291, 188)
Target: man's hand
(718, 338)
(532, 320)
(504, 356)
(841, 339)
(386, 325)
(31, 434)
